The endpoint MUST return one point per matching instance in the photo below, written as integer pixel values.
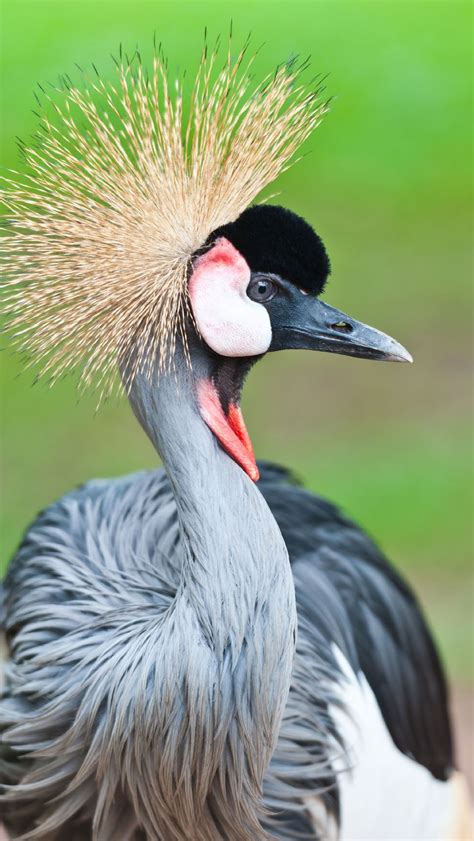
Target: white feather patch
(384, 794)
(230, 323)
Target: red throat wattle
(229, 428)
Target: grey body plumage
(180, 697)
(145, 687)
(116, 546)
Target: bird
(204, 650)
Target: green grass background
(386, 181)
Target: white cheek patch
(230, 323)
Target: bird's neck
(230, 634)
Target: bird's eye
(261, 289)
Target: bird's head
(127, 236)
(256, 288)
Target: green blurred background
(386, 182)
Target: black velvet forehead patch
(273, 239)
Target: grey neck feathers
(227, 643)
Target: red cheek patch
(222, 252)
(229, 429)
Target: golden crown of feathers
(125, 182)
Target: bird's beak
(314, 325)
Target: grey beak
(318, 326)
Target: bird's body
(367, 702)
(94, 606)
(192, 656)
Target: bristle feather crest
(124, 187)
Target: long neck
(229, 637)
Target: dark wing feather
(384, 634)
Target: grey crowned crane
(205, 651)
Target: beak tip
(403, 355)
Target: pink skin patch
(232, 325)
(230, 429)
(227, 319)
